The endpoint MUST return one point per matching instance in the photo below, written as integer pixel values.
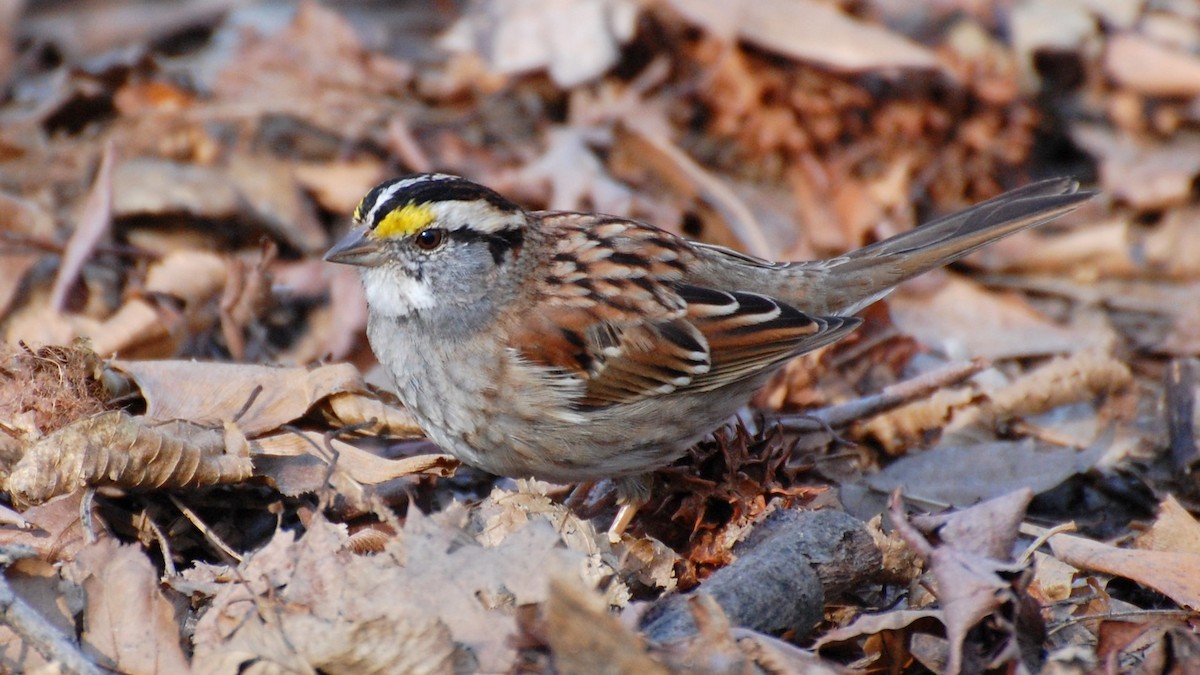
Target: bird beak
(358, 247)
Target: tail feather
(863, 276)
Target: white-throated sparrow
(576, 347)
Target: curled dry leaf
(909, 425)
(1067, 379)
(1064, 380)
(352, 408)
(115, 449)
(972, 563)
(359, 465)
(582, 633)
(260, 398)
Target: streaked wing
(610, 315)
(618, 318)
(748, 333)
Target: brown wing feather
(617, 317)
(610, 315)
(748, 333)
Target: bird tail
(855, 280)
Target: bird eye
(429, 239)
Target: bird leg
(632, 494)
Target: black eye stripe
(498, 243)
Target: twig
(1130, 614)
(205, 530)
(1042, 536)
(38, 633)
(891, 397)
(164, 547)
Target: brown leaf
(313, 605)
(968, 565)
(870, 624)
(93, 224)
(1174, 530)
(339, 185)
(129, 626)
(358, 465)
(349, 408)
(962, 319)
(115, 449)
(575, 40)
(1145, 174)
(1175, 575)
(581, 633)
(809, 31)
(56, 533)
(262, 398)
(431, 585)
(19, 218)
(1139, 64)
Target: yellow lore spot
(406, 220)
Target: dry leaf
(964, 475)
(353, 408)
(809, 31)
(1174, 530)
(1053, 578)
(1175, 575)
(576, 40)
(19, 218)
(115, 449)
(327, 610)
(93, 224)
(128, 626)
(358, 465)
(38, 584)
(1147, 67)
(581, 633)
(963, 320)
(261, 398)
(1144, 174)
(967, 567)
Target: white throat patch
(396, 295)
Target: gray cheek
(465, 274)
(465, 290)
